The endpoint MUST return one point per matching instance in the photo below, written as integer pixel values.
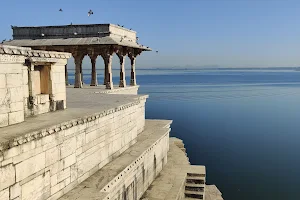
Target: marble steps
(195, 186)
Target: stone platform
(83, 105)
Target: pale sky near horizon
(194, 33)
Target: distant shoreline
(213, 68)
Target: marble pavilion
(80, 40)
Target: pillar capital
(92, 53)
(133, 53)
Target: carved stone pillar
(108, 74)
(132, 55)
(81, 73)
(94, 81)
(105, 74)
(78, 57)
(66, 75)
(132, 77)
(106, 54)
(122, 82)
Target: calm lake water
(242, 125)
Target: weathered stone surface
(52, 155)
(15, 191)
(70, 160)
(4, 195)
(14, 80)
(7, 176)
(16, 94)
(3, 120)
(30, 166)
(2, 81)
(24, 156)
(15, 117)
(37, 189)
(12, 152)
(68, 147)
(16, 106)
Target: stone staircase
(194, 186)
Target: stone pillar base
(132, 82)
(122, 83)
(78, 85)
(109, 86)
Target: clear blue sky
(227, 33)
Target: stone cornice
(28, 52)
(35, 135)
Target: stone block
(25, 76)
(25, 90)
(30, 166)
(28, 146)
(7, 176)
(16, 94)
(57, 187)
(7, 162)
(11, 68)
(4, 195)
(80, 140)
(3, 120)
(2, 81)
(12, 152)
(52, 155)
(62, 175)
(53, 180)
(15, 191)
(89, 162)
(70, 160)
(14, 80)
(17, 106)
(15, 117)
(74, 173)
(43, 98)
(37, 189)
(23, 156)
(68, 147)
(4, 100)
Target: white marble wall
(11, 93)
(49, 167)
(140, 175)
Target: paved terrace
(82, 104)
(101, 89)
